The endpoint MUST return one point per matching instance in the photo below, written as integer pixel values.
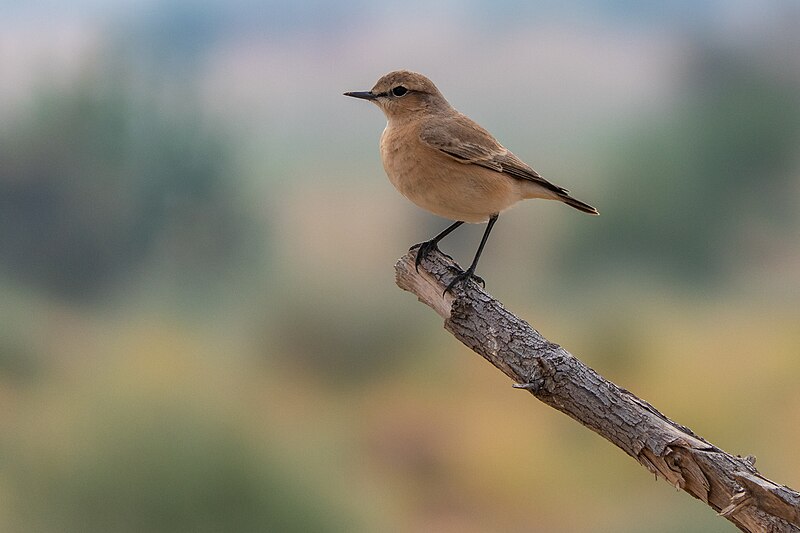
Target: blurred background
(199, 327)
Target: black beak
(364, 95)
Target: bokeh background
(199, 328)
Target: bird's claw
(463, 278)
(458, 272)
(423, 249)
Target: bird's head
(403, 93)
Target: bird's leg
(426, 247)
(470, 272)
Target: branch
(729, 484)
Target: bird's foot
(463, 278)
(423, 249)
(458, 272)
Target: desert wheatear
(449, 165)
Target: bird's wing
(466, 142)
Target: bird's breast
(440, 184)
(403, 161)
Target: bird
(447, 164)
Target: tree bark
(729, 484)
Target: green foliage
(94, 177)
(681, 189)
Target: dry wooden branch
(729, 484)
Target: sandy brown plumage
(466, 141)
(446, 163)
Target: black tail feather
(577, 204)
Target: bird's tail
(577, 204)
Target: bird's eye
(399, 91)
